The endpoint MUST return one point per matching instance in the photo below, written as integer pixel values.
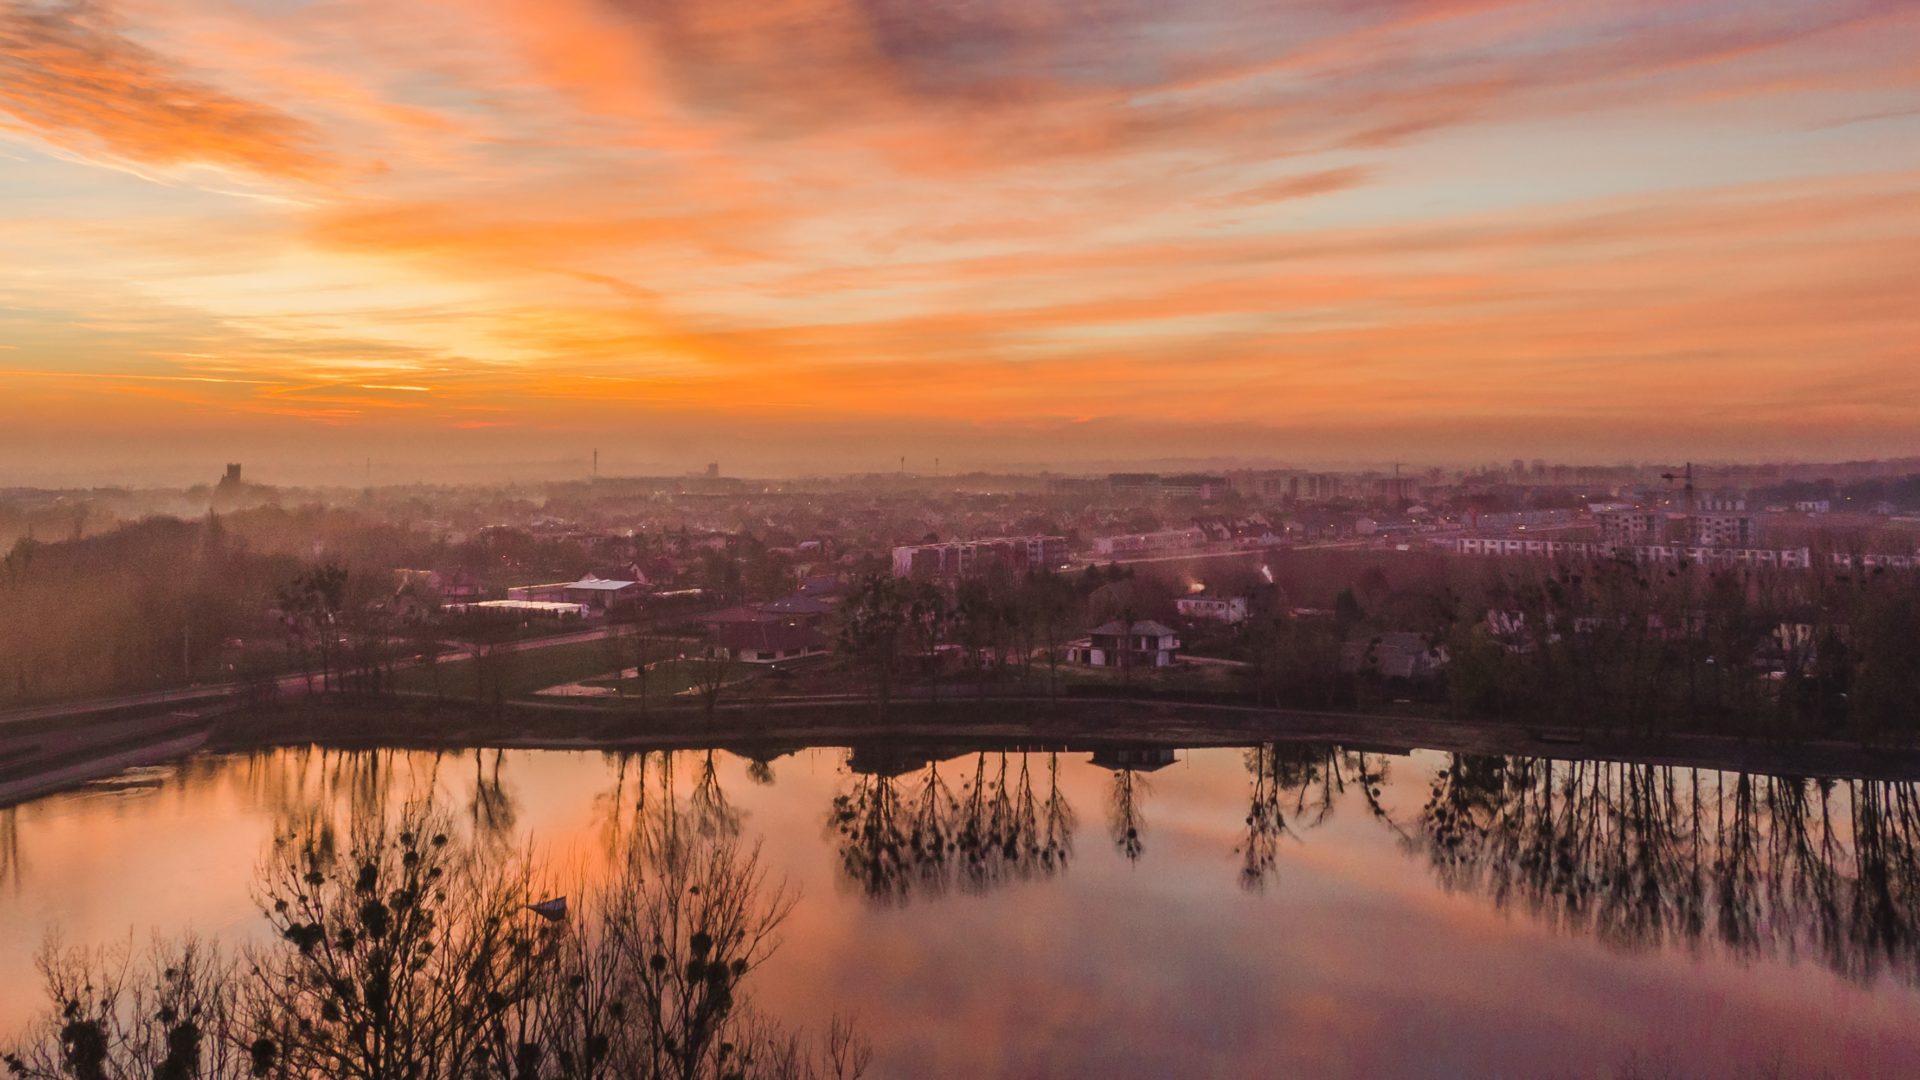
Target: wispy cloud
(1302, 186)
(71, 76)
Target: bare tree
(710, 677)
(874, 625)
(413, 954)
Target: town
(1709, 598)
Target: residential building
(1143, 644)
(966, 558)
(765, 642)
(1226, 609)
(1133, 758)
(808, 610)
(1317, 525)
(551, 592)
(1782, 558)
(1632, 526)
(1508, 519)
(526, 609)
(601, 593)
(1252, 530)
(451, 586)
(1393, 655)
(597, 593)
(1725, 530)
(1165, 540)
(1204, 486)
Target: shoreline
(914, 725)
(1032, 723)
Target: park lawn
(523, 673)
(669, 677)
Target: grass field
(669, 677)
(522, 673)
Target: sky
(823, 235)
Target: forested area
(1619, 646)
(165, 602)
(1606, 645)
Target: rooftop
(605, 584)
(1146, 627)
(768, 636)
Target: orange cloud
(1303, 186)
(1061, 220)
(73, 79)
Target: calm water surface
(1299, 910)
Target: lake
(1297, 909)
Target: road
(287, 684)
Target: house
(451, 586)
(1166, 540)
(1248, 531)
(631, 570)
(765, 642)
(526, 610)
(408, 604)
(822, 586)
(740, 614)
(552, 592)
(1133, 758)
(600, 593)
(1117, 644)
(803, 610)
(810, 610)
(595, 593)
(1393, 655)
(1226, 609)
(965, 558)
(1317, 525)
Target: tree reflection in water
(1300, 782)
(410, 953)
(1126, 796)
(610, 806)
(10, 868)
(1639, 856)
(1649, 856)
(1126, 822)
(713, 814)
(492, 806)
(905, 832)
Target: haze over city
(821, 234)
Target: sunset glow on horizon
(816, 234)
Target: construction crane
(1687, 475)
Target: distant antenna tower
(903, 464)
(596, 462)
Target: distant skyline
(340, 474)
(814, 235)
